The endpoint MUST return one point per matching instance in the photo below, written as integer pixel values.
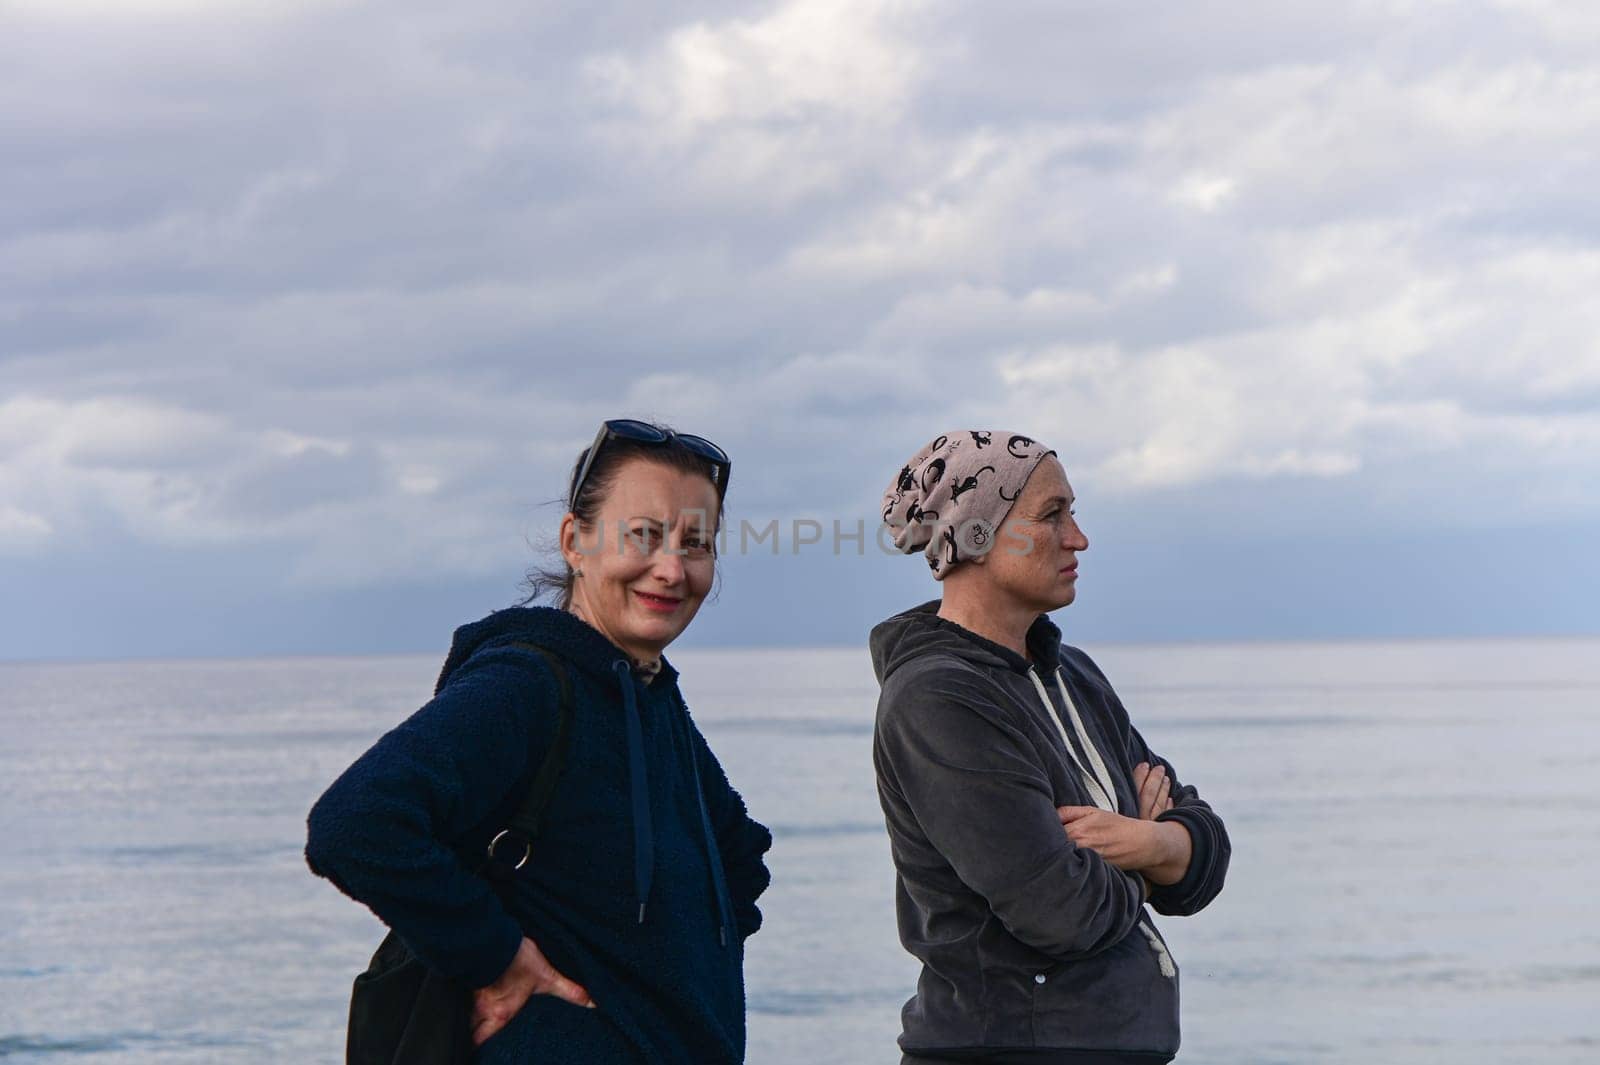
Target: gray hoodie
(1032, 949)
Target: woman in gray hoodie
(1029, 822)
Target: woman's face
(648, 561)
(1035, 558)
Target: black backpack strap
(512, 846)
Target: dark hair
(555, 580)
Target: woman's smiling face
(649, 560)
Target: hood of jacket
(575, 640)
(921, 631)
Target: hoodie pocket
(1120, 999)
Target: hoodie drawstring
(639, 786)
(643, 828)
(1099, 789)
(719, 882)
(1102, 792)
(1101, 773)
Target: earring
(577, 572)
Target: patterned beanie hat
(950, 499)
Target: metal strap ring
(527, 848)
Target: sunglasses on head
(645, 433)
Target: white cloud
(133, 9)
(1207, 192)
(22, 531)
(806, 59)
(760, 111)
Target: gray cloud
(369, 274)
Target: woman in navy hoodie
(622, 937)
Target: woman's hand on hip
(529, 974)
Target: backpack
(402, 1012)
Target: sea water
(1416, 850)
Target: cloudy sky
(305, 308)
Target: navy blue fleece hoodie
(637, 889)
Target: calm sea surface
(1416, 851)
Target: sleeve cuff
(485, 969)
(1173, 897)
